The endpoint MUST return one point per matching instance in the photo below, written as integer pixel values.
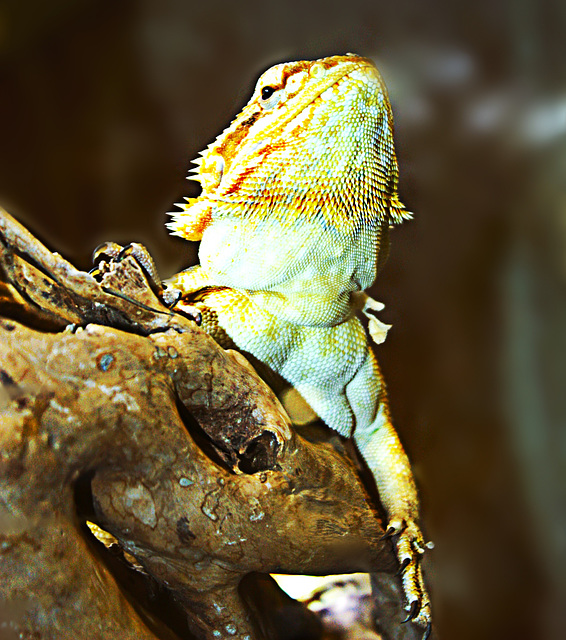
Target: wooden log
(192, 462)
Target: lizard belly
(319, 362)
(306, 275)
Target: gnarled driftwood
(187, 455)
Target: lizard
(298, 195)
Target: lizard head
(316, 138)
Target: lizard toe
(106, 251)
(415, 593)
(414, 609)
(410, 548)
(171, 296)
(142, 256)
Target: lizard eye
(270, 97)
(267, 92)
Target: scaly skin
(297, 197)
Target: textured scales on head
(333, 115)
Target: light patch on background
(303, 587)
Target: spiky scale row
(297, 195)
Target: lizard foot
(112, 251)
(410, 547)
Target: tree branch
(192, 462)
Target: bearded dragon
(298, 195)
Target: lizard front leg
(190, 280)
(381, 449)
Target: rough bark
(185, 454)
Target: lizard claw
(101, 256)
(391, 531)
(114, 252)
(395, 527)
(106, 251)
(171, 296)
(189, 311)
(404, 564)
(413, 611)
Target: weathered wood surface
(191, 460)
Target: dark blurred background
(103, 104)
